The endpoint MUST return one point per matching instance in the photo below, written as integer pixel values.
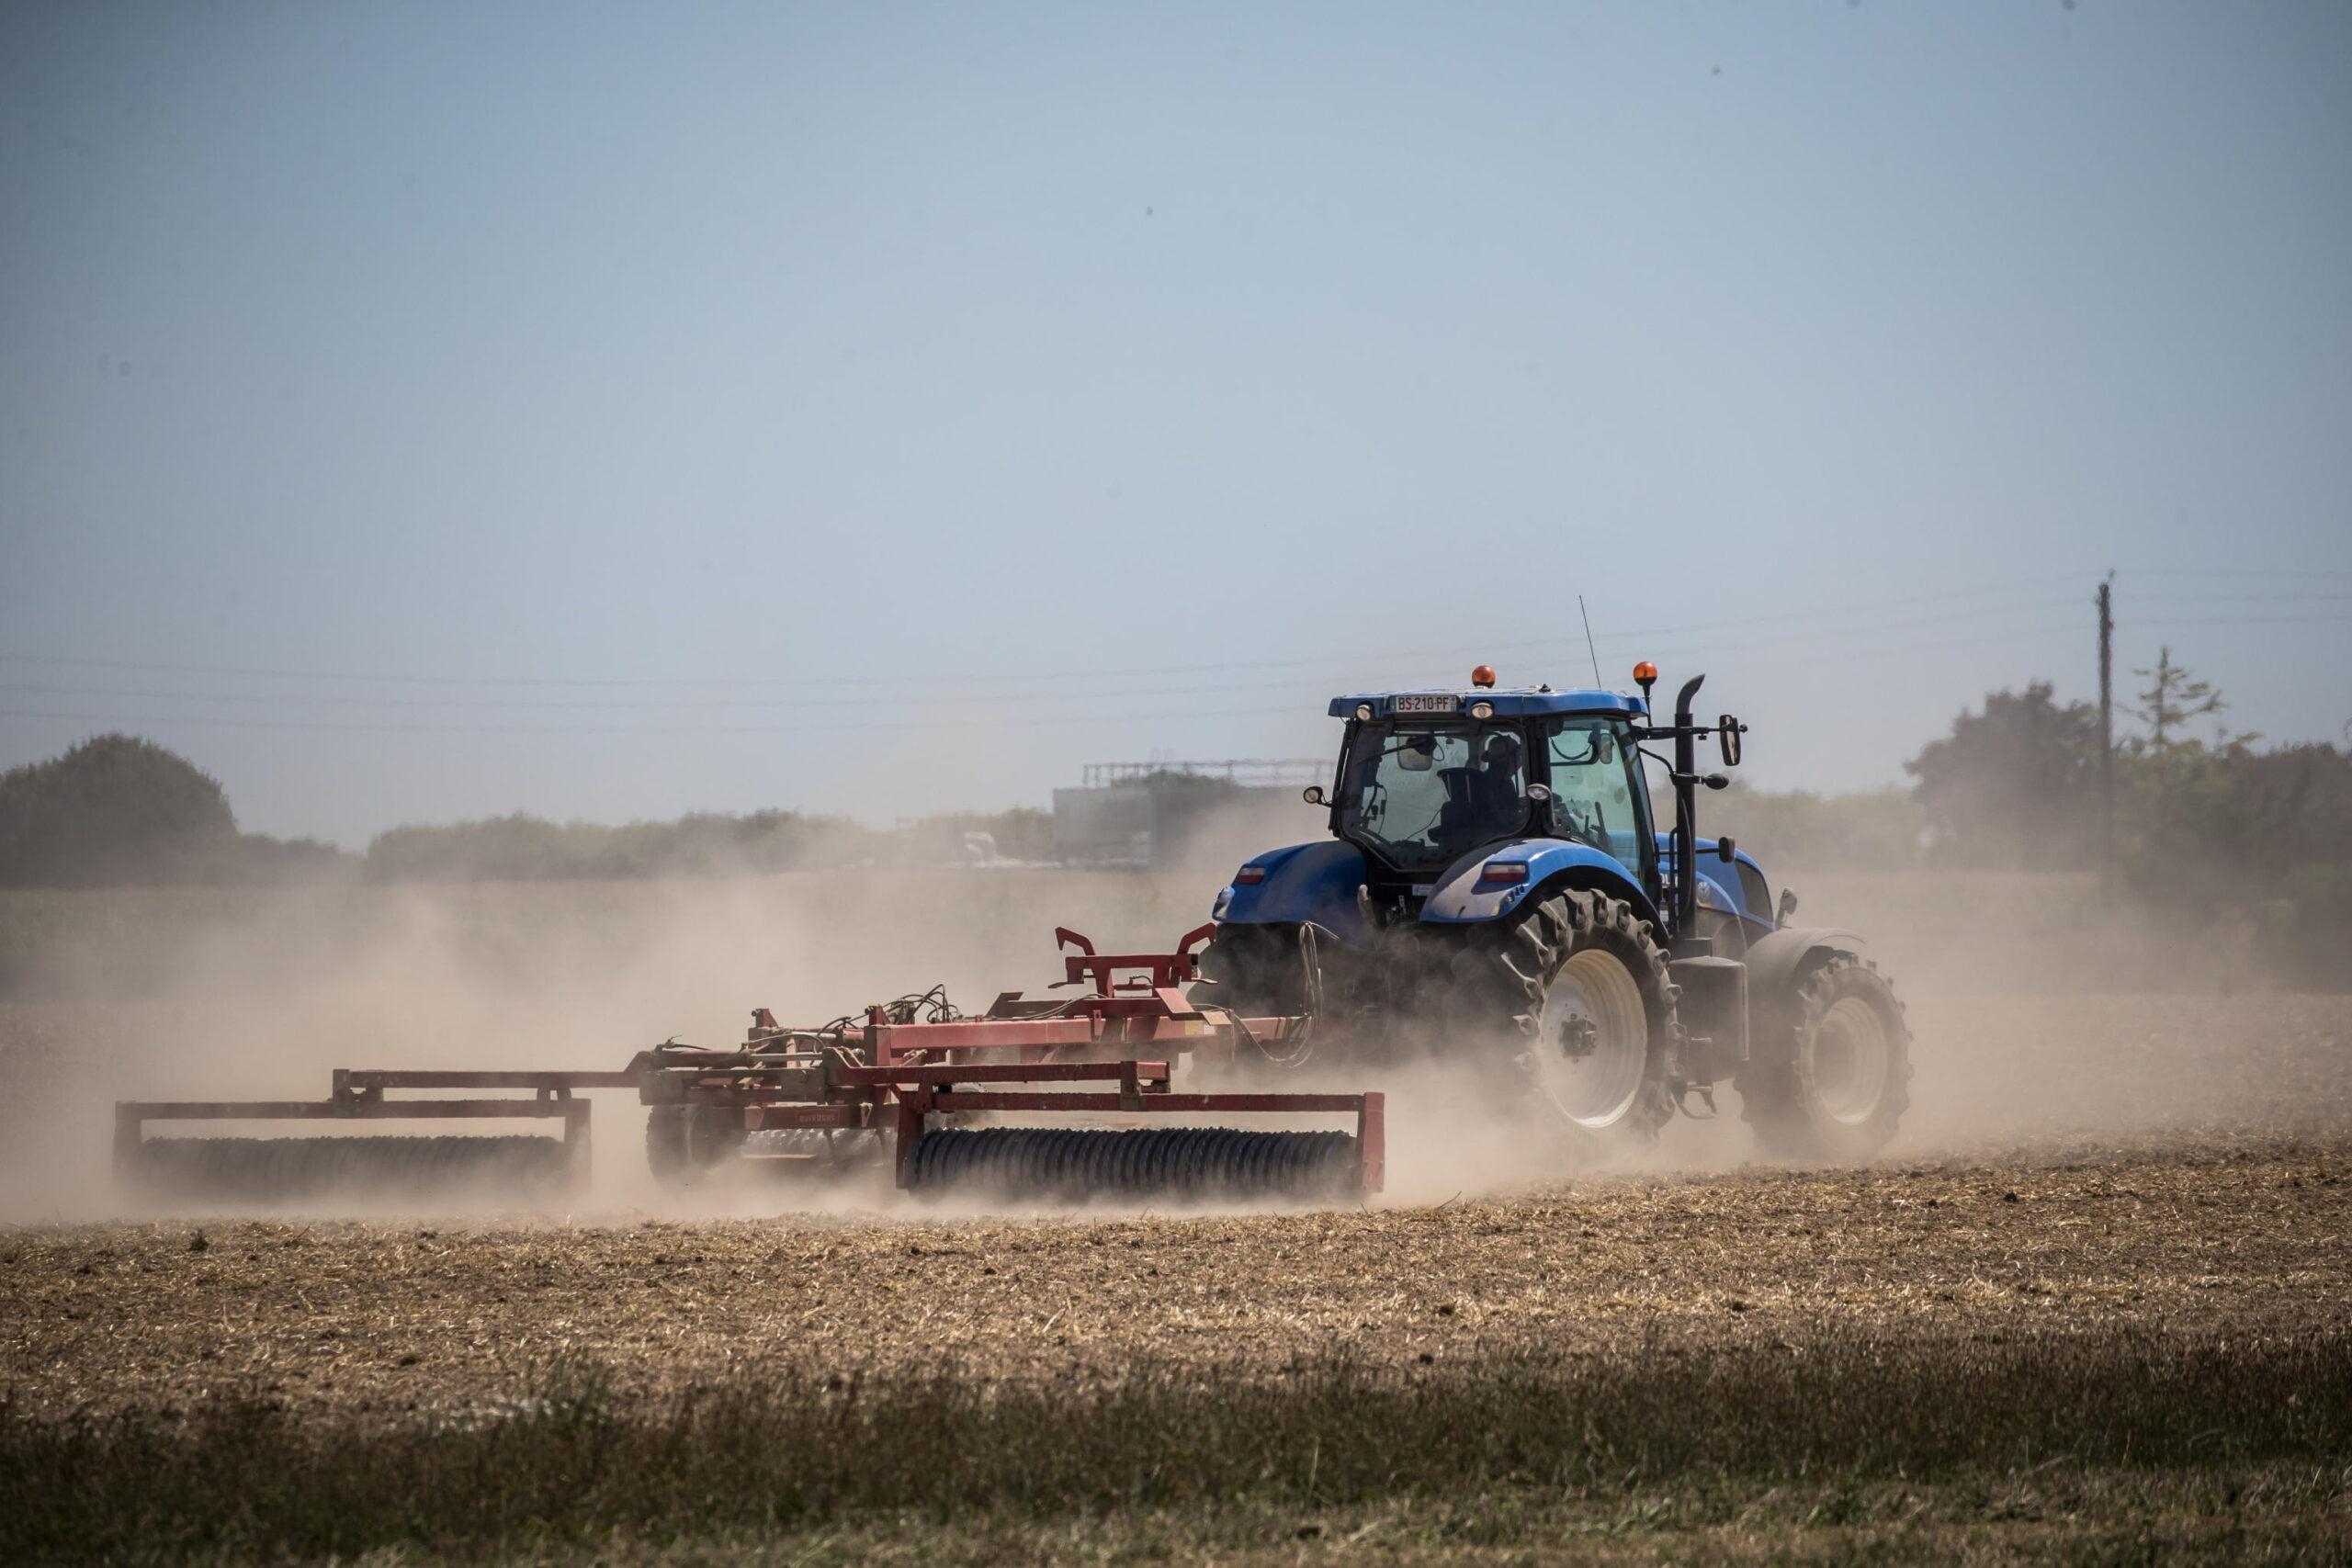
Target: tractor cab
(1427, 779)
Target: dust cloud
(228, 994)
(2039, 1022)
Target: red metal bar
(1134, 1004)
(1166, 969)
(1001, 1072)
(1056, 1099)
(912, 1108)
(1012, 1004)
(762, 1118)
(341, 1110)
(892, 1041)
(1371, 1143)
(375, 1077)
(1175, 1001)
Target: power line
(1484, 648)
(964, 698)
(1456, 651)
(2299, 572)
(2240, 598)
(827, 727)
(1093, 717)
(1760, 649)
(2243, 621)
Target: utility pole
(2106, 724)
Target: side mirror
(1788, 905)
(1727, 733)
(1312, 795)
(1726, 848)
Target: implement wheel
(1574, 995)
(1829, 1076)
(684, 1143)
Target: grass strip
(795, 1444)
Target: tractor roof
(1508, 702)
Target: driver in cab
(1498, 796)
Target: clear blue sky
(415, 412)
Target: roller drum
(1072, 1164)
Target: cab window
(1424, 794)
(1597, 798)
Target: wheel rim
(1593, 1040)
(1849, 1061)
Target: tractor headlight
(1364, 713)
(1482, 711)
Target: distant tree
(2173, 700)
(2176, 775)
(520, 848)
(113, 811)
(260, 858)
(1795, 830)
(2262, 815)
(2013, 785)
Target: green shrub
(112, 812)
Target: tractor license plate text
(1446, 703)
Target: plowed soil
(2106, 1152)
(397, 1317)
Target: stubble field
(2088, 1307)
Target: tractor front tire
(1829, 1073)
(1572, 1000)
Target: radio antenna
(1587, 640)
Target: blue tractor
(1494, 884)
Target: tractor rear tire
(1256, 970)
(1829, 1073)
(1574, 996)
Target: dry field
(2088, 1308)
(404, 1319)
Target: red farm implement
(945, 1100)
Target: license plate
(1431, 704)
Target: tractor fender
(1774, 958)
(1304, 882)
(1465, 896)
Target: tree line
(2180, 813)
(117, 811)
